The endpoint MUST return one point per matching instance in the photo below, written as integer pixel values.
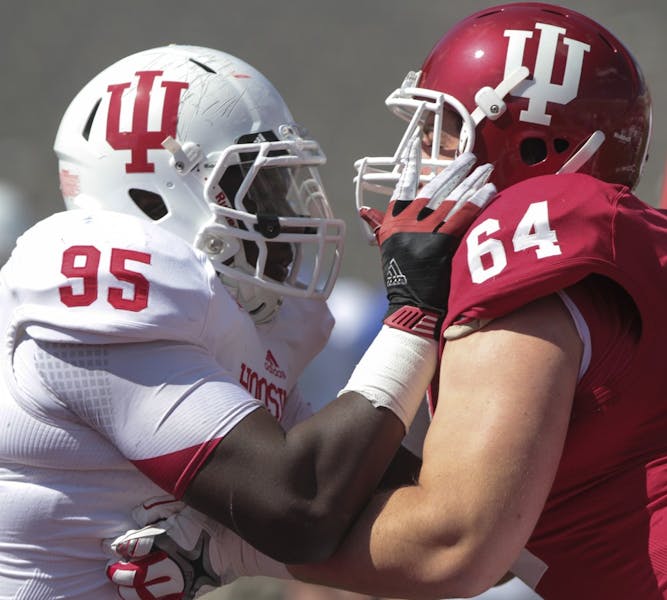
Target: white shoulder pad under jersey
(304, 325)
(103, 277)
(268, 359)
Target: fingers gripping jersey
(97, 313)
(602, 533)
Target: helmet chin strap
(583, 155)
(261, 304)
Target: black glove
(418, 237)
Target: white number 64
(533, 230)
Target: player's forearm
(347, 447)
(293, 495)
(338, 467)
(393, 551)
(386, 559)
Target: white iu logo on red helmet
(139, 140)
(541, 89)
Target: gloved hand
(173, 559)
(418, 236)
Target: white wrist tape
(233, 557)
(395, 371)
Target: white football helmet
(203, 144)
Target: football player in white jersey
(154, 333)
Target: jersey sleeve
(535, 238)
(163, 406)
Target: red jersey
(603, 531)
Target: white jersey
(124, 361)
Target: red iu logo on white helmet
(139, 140)
(541, 89)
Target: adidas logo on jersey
(271, 365)
(393, 274)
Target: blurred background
(334, 63)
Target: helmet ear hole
(89, 122)
(533, 151)
(150, 203)
(561, 145)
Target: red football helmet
(538, 88)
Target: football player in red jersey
(547, 451)
(549, 427)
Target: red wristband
(416, 321)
